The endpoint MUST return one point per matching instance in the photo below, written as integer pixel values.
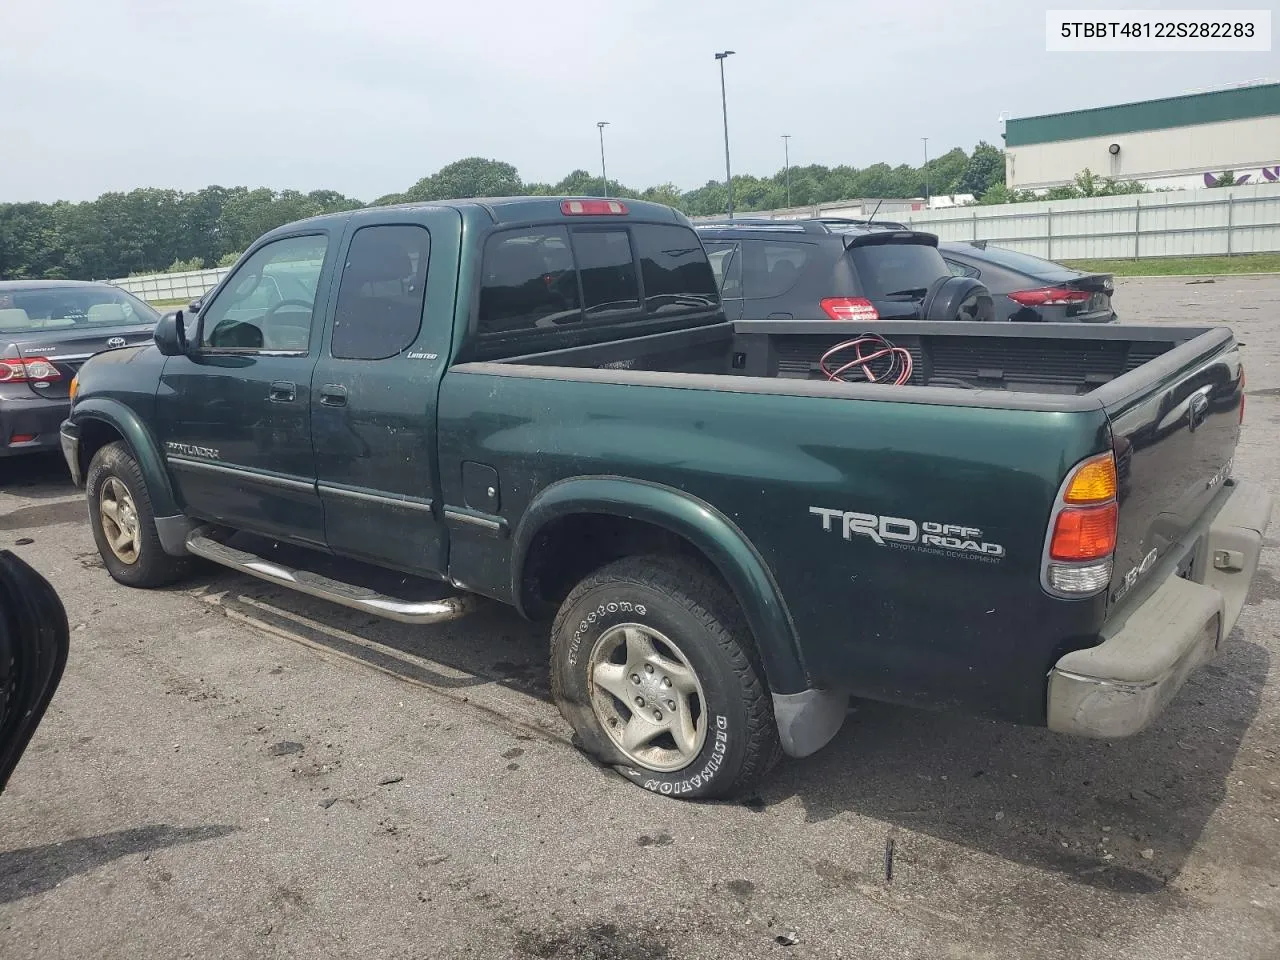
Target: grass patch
(1182, 266)
(180, 302)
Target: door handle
(333, 395)
(282, 391)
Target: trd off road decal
(900, 533)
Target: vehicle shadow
(1119, 815)
(490, 645)
(38, 476)
(32, 870)
(1122, 815)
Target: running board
(357, 597)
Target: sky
(368, 96)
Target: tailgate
(1175, 421)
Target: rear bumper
(1120, 686)
(32, 416)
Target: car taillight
(1048, 296)
(592, 208)
(850, 308)
(29, 369)
(1083, 529)
(1084, 533)
(1242, 393)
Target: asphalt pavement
(230, 770)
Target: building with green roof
(1184, 142)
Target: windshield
(897, 269)
(52, 308)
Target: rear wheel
(654, 667)
(123, 521)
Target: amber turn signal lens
(1094, 481)
(1084, 533)
(75, 385)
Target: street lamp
(600, 125)
(925, 168)
(786, 153)
(724, 108)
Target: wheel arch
(102, 421)
(681, 519)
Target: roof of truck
(507, 210)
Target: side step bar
(348, 595)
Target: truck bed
(1051, 361)
(994, 417)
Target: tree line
(151, 230)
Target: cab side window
(380, 299)
(268, 304)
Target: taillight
(850, 308)
(1242, 393)
(592, 208)
(29, 369)
(1084, 533)
(1048, 296)
(1083, 528)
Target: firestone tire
(645, 634)
(128, 541)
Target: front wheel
(654, 667)
(123, 521)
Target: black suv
(840, 269)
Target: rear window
(542, 278)
(528, 281)
(897, 269)
(771, 268)
(674, 269)
(608, 271)
(1024, 263)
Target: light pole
(724, 108)
(925, 170)
(600, 125)
(786, 153)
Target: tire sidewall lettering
(602, 610)
(706, 773)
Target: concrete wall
(1175, 157)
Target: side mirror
(194, 306)
(171, 335)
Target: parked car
(841, 269)
(34, 640)
(734, 526)
(1027, 289)
(48, 328)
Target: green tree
(469, 177)
(984, 170)
(945, 172)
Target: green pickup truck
(734, 527)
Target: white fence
(1186, 223)
(173, 286)
(1227, 221)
